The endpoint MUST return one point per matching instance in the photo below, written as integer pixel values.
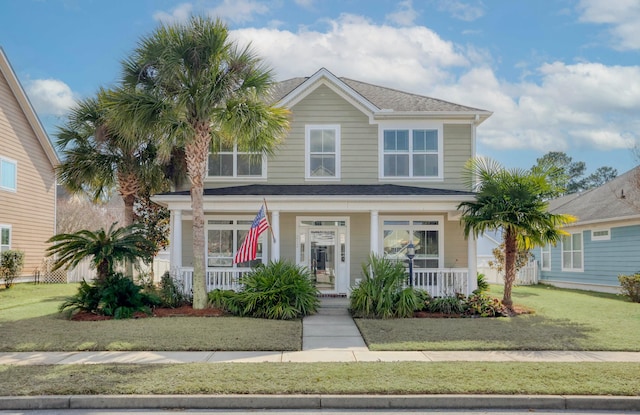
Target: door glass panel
(220, 248)
(322, 244)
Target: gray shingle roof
(618, 198)
(326, 190)
(381, 97)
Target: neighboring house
(27, 177)
(364, 169)
(603, 243)
(486, 243)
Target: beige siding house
(364, 169)
(27, 178)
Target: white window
(601, 235)
(8, 174)
(224, 238)
(411, 153)
(228, 162)
(545, 257)
(572, 252)
(5, 238)
(425, 233)
(322, 152)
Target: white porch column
(374, 232)
(472, 262)
(175, 240)
(275, 228)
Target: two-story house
(364, 169)
(27, 177)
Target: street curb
(504, 402)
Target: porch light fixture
(411, 252)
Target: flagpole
(266, 208)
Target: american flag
(249, 247)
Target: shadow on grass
(530, 332)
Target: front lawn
(29, 321)
(563, 320)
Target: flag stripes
(249, 248)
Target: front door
(322, 258)
(323, 249)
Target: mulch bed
(184, 311)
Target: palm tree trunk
(128, 187)
(510, 251)
(196, 154)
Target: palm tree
(106, 248)
(98, 159)
(192, 86)
(513, 201)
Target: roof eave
(475, 117)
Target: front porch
(437, 282)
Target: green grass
(563, 320)
(29, 321)
(325, 378)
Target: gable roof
(379, 101)
(618, 199)
(27, 108)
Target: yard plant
(631, 286)
(11, 264)
(279, 290)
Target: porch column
(175, 240)
(275, 228)
(374, 232)
(472, 262)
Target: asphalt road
(298, 412)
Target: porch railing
(437, 282)
(442, 282)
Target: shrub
(423, 298)
(447, 305)
(171, 292)
(116, 296)
(483, 285)
(484, 306)
(631, 286)
(280, 291)
(381, 293)
(11, 263)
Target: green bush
(280, 291)
(116, 296)
(11, 263)
(171, 293)
(631, 286)
(382, 292)
(423, 298)
(453, 305)
(484, 306)
(483, 285)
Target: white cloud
(307, 4)
(621, 15)
(462, 10)
(405, 15)
(50, 96)
(179, 14)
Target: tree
(106, 248)
(194, 89)
(567, 176)
(98, 159)
(512, 201)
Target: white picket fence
(84, 270)
(528, 275)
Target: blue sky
(559, 75)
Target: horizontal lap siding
(31, 210)
(604, 261)
(457, 150)
(358, 140)
(456, 251)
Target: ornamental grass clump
(382, 292)
(279, 290)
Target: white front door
(324, 250)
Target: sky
(558, 75)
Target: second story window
(8, 174)
(228, 162)
(411, 153)
(322, 144)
